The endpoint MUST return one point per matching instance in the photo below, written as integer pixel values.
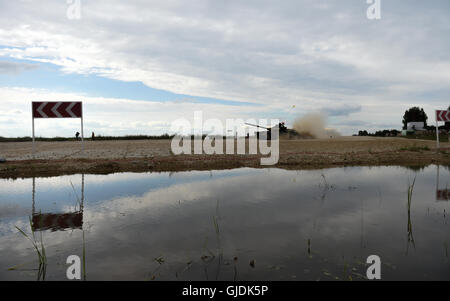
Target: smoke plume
(313, 125)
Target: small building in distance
(415, 126)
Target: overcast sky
(138, 65)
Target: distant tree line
(413, 114)
(128, 137)
(383, 133)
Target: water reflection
(441, 194)
(242, 224)
(57, 221)
(410, 231)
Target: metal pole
(437, 132)
(33, 193)
(32, 127)
(437, 179)
(82, 134)
(82, 193)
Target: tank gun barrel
(258, 126)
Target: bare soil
(101, 157)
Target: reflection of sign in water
(54, 222)
(58, 221)
(441, 194)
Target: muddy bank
(102, 157)
(300, 160)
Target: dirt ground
(57, 158)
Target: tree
(363, 133)
(414, 114)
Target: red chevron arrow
(442, 115)
(61, 109)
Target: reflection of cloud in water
(267, 215)
(8, 210)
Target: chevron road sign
(61, 109)
(441, 115)
(57, 109)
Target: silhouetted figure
(77, 135)
(93, 136)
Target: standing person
(93, 136)
(77, 136)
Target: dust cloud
(313, 125)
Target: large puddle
(242, 224)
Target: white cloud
(308, 53)
(15, 67)
(107, 116)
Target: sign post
(32, 125)
(441, 115)
(58, 109)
